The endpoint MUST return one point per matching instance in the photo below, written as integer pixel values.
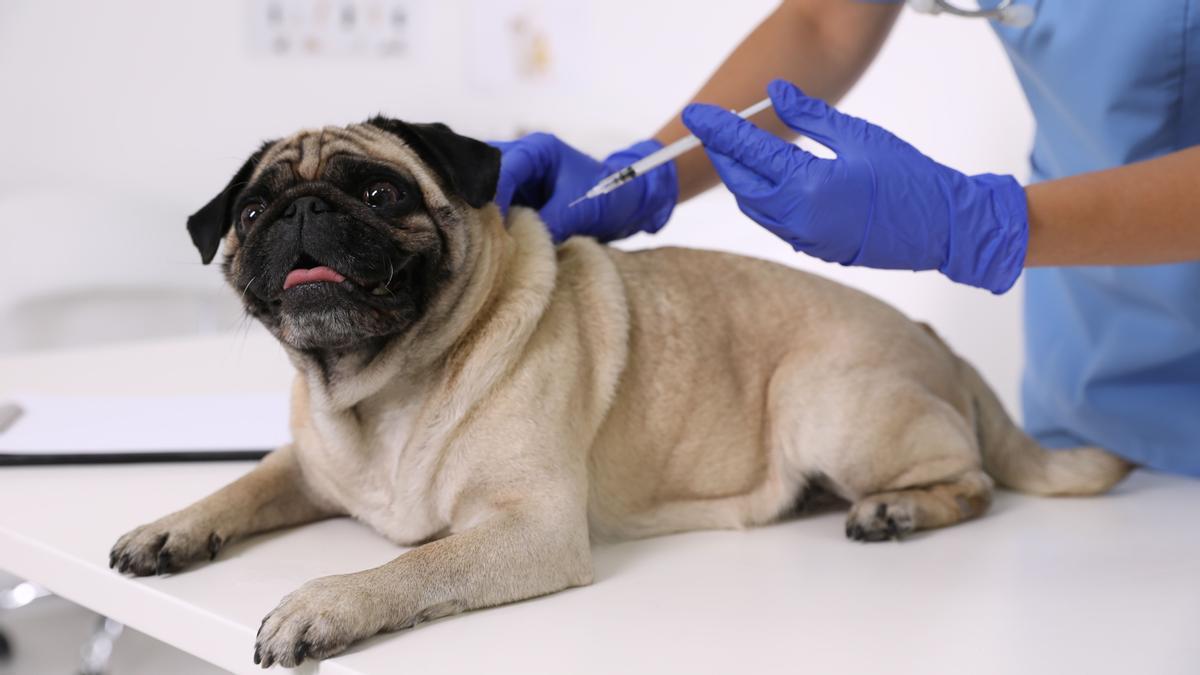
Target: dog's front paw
(318, 620)
(163, 546)
(880, 518)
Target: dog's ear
(469, 167)
(211, 223)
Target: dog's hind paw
(880, 518)
(891, 515)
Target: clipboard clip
(9, 414)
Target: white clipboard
(45, 429)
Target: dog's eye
(379, 195)
(250, 213)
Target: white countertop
(1102, 585)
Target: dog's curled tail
(1017, 461)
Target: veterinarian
(1110, 224)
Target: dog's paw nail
(893, 530)
(215, 542)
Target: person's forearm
(1141, 214)
(821, 45)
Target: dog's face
(338, 237)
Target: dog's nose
(304, 206)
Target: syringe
(655, 159)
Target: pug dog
(497, 403)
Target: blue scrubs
(1112, 353)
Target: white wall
(119, 118)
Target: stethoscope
(1006, 12)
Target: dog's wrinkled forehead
(446, 166)
(305, 156)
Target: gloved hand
(881, 203)
(542, 172)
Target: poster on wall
(334, 28)
(527, 44)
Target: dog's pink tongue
(322, 273)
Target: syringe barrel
(612, 182)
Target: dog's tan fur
(554, 396)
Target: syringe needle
(581, 198)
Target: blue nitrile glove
(881, 203)
(542, 172)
